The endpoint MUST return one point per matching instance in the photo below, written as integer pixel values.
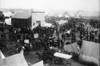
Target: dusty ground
(31, 58)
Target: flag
(1, 55)
(14, 60)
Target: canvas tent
(1, 55)
(15, 60)
(38, 64)
(72, 48)
(90, 49)
(90, 52)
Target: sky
(90, 6)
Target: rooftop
(21, 14)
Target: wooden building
(21, 19)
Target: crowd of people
(71, 32)
(83, 31)
(14, 39)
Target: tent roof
(14, 60)
(1, 55)
(90, 49)
(40, 63)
